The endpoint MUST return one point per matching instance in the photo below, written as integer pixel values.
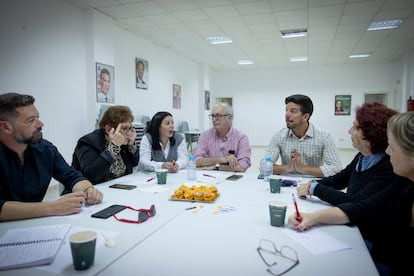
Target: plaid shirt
(317, 149)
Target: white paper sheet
(316, 241)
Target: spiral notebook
(24, 247)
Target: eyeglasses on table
(143, 215)
(278, 261)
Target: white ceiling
(336, 29)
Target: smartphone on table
(108, 211)
(234, 177)
(123, 186)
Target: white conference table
(183, 242)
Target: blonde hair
(401, 127)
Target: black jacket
(93, 160)
(360, 185)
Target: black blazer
(93, 160)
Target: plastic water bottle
(191, 169)
(267, 168)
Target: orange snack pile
(198, 193)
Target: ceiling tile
(336, 28)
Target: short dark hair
(153, 129)
(104, 71)
(306, 105)
(141, 62)
(10, 101)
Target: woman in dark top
(370, 171)
(110, 151)
(161, 146)
(387, 218)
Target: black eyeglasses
(143, 215)
(278, 261)
(126, 129)
(217, 116)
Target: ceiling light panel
(384, 25)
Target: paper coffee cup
(277, 212)
(275, 183)
(161, 176)
(82, 245)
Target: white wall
(165, 69)
(258, 100)
(49, 48)
(42, 52)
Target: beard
(289, 125)
(30, 140)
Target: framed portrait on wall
(105, 83)
(176, 96)
(141, 73)
(342, 105)
(207, 100)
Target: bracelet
(88, 189)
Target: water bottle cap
(268, 158)
(191, 157)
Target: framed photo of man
(141, 73)
(342, 105)
(105, 83)
(176, 96)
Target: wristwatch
(217, 167)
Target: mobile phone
(234, 177)
(289, 183)
(260, 176)
(123, 186)
(108, 211)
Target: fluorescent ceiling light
(294, 59)
(383, 25)
(293, 33)
(245, 62)
(359, 56)
(219, 39)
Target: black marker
(190, 208)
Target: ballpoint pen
(298, 217)
(150, 179)
(208, 175)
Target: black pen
(190, 208)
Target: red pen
(298, 217)
(150, 179)
(209, 175)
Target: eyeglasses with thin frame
(143, 215)
(217, 116)
(278, 261)
(127, 129)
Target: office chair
(189, 137)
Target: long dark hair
(153, 129)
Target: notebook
(24, 247)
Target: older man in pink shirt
(223, 147)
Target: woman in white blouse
(161, 146)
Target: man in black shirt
(28, 162)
